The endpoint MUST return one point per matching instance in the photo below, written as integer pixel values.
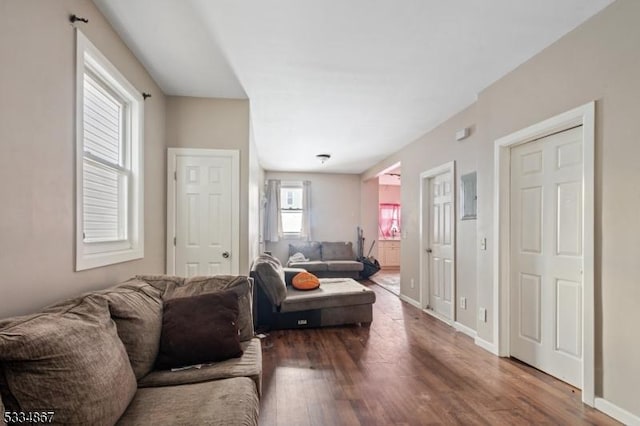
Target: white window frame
(95, 254)
(296, 185)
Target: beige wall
(369, 199)
(37, 154)
(600, 61)
(218, 124)
(256, 189)
(335, 208)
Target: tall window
(109, 184)
(291, 209)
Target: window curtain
(389, 219)
(272, 217)
(305, 233)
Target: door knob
(225, 254)
(429, 250)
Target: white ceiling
(357, 79)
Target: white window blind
(105, 174)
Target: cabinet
(389, 253)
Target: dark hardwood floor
(406, 369)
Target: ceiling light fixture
(323, 158)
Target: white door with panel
(546, 254)
(440, 247)
(205, 213)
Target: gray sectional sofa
(326, 259)
(91, 360)
(278, 305)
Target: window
(291, 209)
(389, 220)
(109, 185)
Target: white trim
(93, 255)
(464, 329)
(585, 116)
(487, 346)
(438, 316)
(616, 412)
(172, 162)
(410, 301)
(423, 233)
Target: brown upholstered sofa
(277, 305)
(90, 360)
(326, 259)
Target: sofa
(93, 359)
(277, 305)
(326, 259)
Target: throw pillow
(309, 249)
(174, 287)
(337, 251)
(70, 362)
(199, 329)
(305, 281)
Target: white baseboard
(466, 330)
(487, 346)
(410, 301)
(617, 413)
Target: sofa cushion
(311, 266)
(344, 265)
(333, 292)
(248, 365)
(172, 287)
(70, 362)
(219, 402)
(337, 251)
(269, 272)
(310, 249)
(199, 329)
(136, 308)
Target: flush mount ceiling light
(323, 158)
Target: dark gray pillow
(199, 329)
(337, 251)
(310, 249)
(270, 276)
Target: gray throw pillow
(310, 249)
(70, 362)
(337, 251)
(136, 308)
(270, 276)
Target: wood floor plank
(406, 369)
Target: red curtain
(389, 220)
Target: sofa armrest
(289, 273)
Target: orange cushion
(305, 281)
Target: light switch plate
(463, 303)
(483, 243)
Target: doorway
(202, 212)
(438, 242)
(543, 222)
(389, 229)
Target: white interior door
(204, 212)
(440, 247)
(546, 254)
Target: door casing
(425, 218)
(172, 159)
(585, 116)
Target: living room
(596, 63)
